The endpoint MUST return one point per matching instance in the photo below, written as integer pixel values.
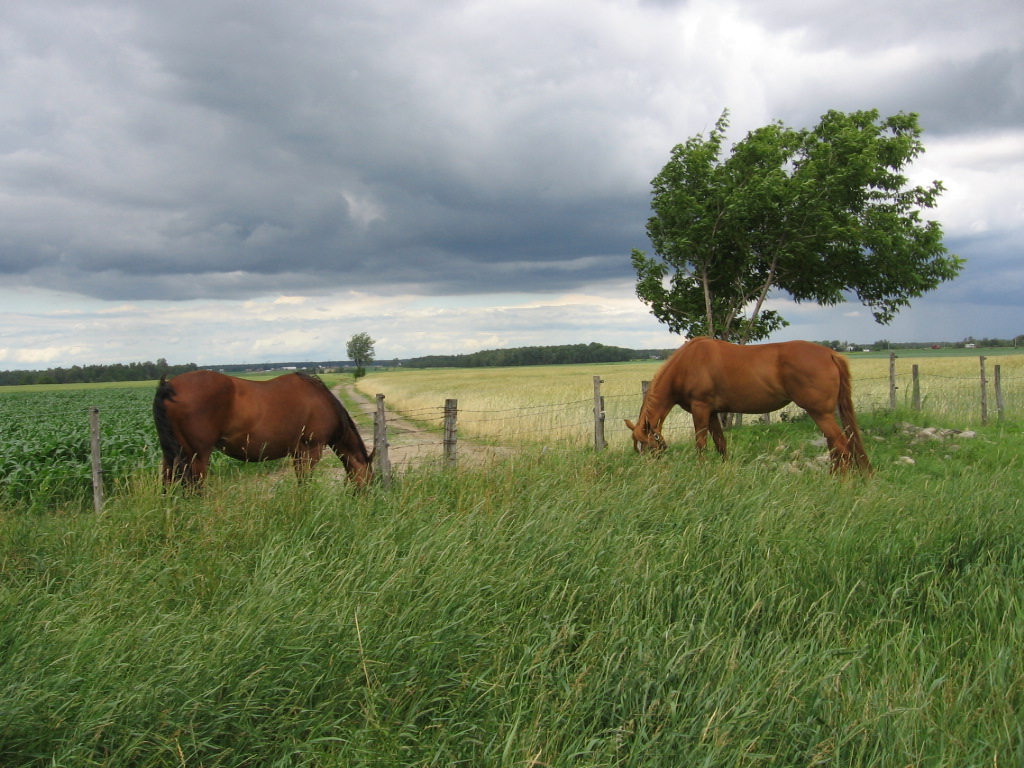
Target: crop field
(560, 608)
(44, 450)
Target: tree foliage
(816, 214)
(360, 351)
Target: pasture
(561, 608)
(540, 405)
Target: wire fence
(956, 399)
(56, 446)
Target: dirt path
(409, 445)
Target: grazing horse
(293, 415)
(708, 377)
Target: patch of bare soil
(410, 445)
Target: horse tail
(175, 465)
(847, 415)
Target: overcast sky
(212, 182)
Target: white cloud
(292, 328)
(984, 179)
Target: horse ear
(630, 424)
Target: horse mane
(348, 424)
(651, 400)
(655, 398)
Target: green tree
(816, 214)
(360, 351)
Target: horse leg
(175, 463)
(717, 434)
(305, 458)
(188, 467)
(168, 472)
(838, 444)
(197, 440)
(195, 473)
(701, 422)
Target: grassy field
(563, 608)
(554, 404)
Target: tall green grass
(561, 609)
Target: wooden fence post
(892, 381)
(599, 441)
(984, 391)
(916, 395)
(998, 383)
(451, 414)
(380, 443)
(94, 449)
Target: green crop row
(45, 458)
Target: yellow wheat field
(555, 404)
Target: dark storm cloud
(211, 149)
(984, 94)
(872, 25)
(959, 65)
(239, 147)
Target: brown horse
(708, 377)
(293, 415)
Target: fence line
(576, 419)
(599, 406)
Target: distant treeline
(492, 358)
(88, 374)
(309, 366)
(884, 344)
(558, 355)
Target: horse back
(754, 378)
(283, 410)
(201, 388)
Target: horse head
(358, 466)
(362, 474)
(646, 437)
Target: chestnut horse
(708, 377)
(293, 415)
